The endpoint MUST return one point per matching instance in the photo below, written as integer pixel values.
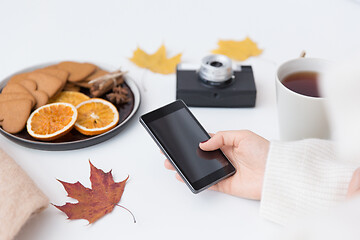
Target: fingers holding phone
(248, 152)
(168, 165)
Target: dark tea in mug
(305, 83)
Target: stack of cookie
(27, 91)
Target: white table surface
(38, 31)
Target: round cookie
(78, 71)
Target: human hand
(354, 185)
(248, 152)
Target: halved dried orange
(96, 116)
(52, 121)
(75, 98)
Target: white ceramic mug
(301, 116)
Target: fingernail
(204, 141)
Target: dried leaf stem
(128, 211)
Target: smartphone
(178, 134)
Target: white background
(33, 32)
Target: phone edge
(168, 157)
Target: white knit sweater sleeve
(301, 178)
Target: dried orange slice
(52, 121)
(96, 116)
(74, 98)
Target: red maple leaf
(93, 203)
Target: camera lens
(216, 64)
(216, 69)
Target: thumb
(354, 186)
(220, 139)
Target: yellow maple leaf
(157, 62)
(238, 50)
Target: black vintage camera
(216, 84)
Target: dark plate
(74, 139)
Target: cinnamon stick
(99, 88)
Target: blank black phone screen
(180, 135)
